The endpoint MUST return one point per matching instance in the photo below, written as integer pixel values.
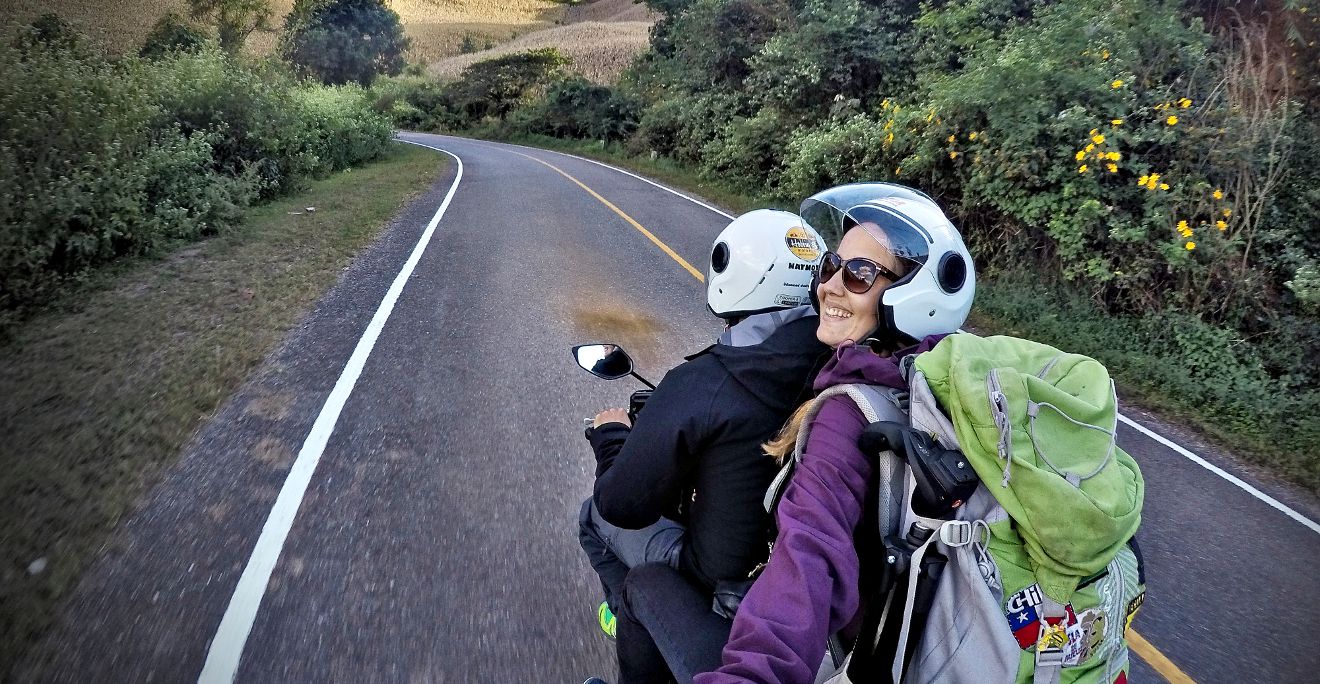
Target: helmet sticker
(802, 244)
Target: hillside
(437, 27)
(599, 50)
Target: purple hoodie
(808, 589)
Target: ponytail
(781, 447)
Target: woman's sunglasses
(858, 274)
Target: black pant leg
(674, 615)
(640, 661)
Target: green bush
(89, 172)
(109, 158)
(577, 108)
(172, 34)
(1206, 369)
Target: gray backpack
(965, 637)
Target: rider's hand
(614, 415)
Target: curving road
(435, 540)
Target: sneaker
(608, 623)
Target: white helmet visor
(825, 210)
(898, 233)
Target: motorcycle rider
(900, 280)
(683, 487)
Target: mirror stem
(644, 380)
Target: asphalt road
(436, 541)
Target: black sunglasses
(858, 274)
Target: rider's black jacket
(695, 453)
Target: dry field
(599, 50)
(436, 27)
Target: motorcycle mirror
(607, 361)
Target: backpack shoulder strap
(876, 403)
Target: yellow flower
(1218, 194)
(1104, 54)
(952, 138)
(1228, 213)
(1118, 83)
(1142, 180)
(1098, 139)
(1184, 103)
(1081, 169)
(1113, 168)
(1116, 122)
(971, 136)
(1081, 154)
(1172, 120)
(898, 171)
(884, 104)
(953, 155)
(1220, 224)
(1190, 245)
(1182, 226)
(1094, 131)
(1089, 148)
(889, 139)
(1164, 186)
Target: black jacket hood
(773, 370)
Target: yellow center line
(1156, 660)
(1143, 648)
(674, 255)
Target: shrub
(172, 34)
(495, 87)
(749, 151)
(577, 108)
(103, 159)
(91, 174)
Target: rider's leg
(666, 615)
(612, 550)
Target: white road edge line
(1274, 503)
(1267, 499)
(226, 649)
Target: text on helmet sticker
(801, 244)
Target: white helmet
(939, 281)
(765, 260)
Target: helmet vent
(719, 258)
(952, 273)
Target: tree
(234, 20)
(497, 86)
(342, 41)
(172, 34)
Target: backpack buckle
(956, 533)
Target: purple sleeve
(808, 590)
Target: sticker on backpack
(1024, 620)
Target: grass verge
(99, 394)
(1229, 399)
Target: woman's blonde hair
(781, 447)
